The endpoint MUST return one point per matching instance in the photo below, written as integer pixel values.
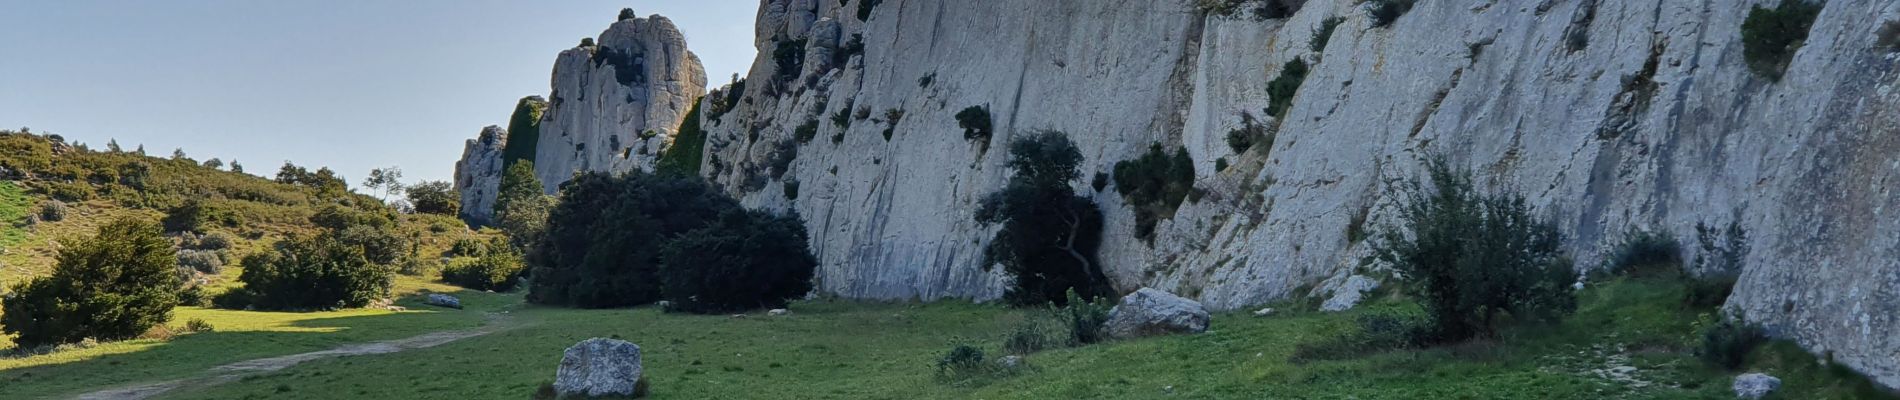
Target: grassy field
(886, 351)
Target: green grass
(239, 336)
(846, 350)
(14, 206)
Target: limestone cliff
(478, 175)
(617, 100)
(1610, 115)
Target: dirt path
(222, 374)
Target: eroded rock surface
(617, 104)
(478, 175)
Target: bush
(891, 118)
(865, 7)
(1642, 251)
(498, 270)
(1155, 184)
(962, 359)
(1770, 36)
(1371, 334)
(1709, 290)
(1727, 343)
(1324, 33)
(791, 188)
(603, 239)
(1028, 338)
(53, 211)
(1473, 258)
(745, 260)
(1084, 318)
(198, 325)
(468, 247)
(1385, 12)
(689, 144)
(1281, 90)
(338, 218)
(806, 131)
(195, 216)
(434, 197)
(1889, 37)
(789, 56)
(842, 118)
(379, 246)
(976, 123)
(113, 286)
(306, 273)
(214, 241)
(1050, 235)
(627, 14)
(209, 262)
(68, 191)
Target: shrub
(498, 270)
(1889, 37)
(1642, 251)
(380, 246)
(791, 188)
(1324, 33)
(1155, 184)
(1049, 235)
(68, 191)
(1281, 90)
(744, 260)
(603, 239)
(962, 359)
(1709, 290)
(198, 325)
(209, 262)
(1770, 36)
(520, 207)
(865, 7)
(524, 128)
(1250, 133)
(1220, 164)
(113, 286)
(1371, 334)
(627, 14)
(806, 131)
(53, 211)
(1028, 337)
(1726, 344)
(1385, 12)
(1099, 182)
(193, 296)
(842, 119)
(789, 56)
(468, 247)
(891, 118)
(851, 48)
(976, 124)
(214, 241)
(337, 218)
(311, 272)
(195, 215)
(1473, 257)
(1084, 318)
(684, 155)
(434, 197)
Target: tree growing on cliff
(1049, 235)
(111, 287)
(1473, 257)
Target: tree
(1049, 235)
(214, 163)
(520, 208)
(434, 197)
(179, 155)
(140, 151)
(235, 167)
(627, 14)
(311, 272)
(112, 145)
(1471, 257)
(115, 286)
(497, 268)
(386, 180)
(745, 260)
(602, 243)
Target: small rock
(1755, 385)
(599, 367)
(738, 316)
(1011, 362)
(1263, 312)
(778, 312)
(1149, 312)
(398, 308)
(1349, 294)
(664, 305)
(443, 300)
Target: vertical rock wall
(616, 104)
(478, 175)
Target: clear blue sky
(353, 84)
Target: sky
(350, 84)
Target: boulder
(1349, 293)
(1150, 312)
(1010, 362)
(1755, 385)
(778, 312)
(443, 300)
(599, 367)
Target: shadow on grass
(249, 335)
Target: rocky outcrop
(442, 300)
(478, 175)
(1610, 116)
(599, 367)
(616, 103)
(1755, 385)
(1149, 312)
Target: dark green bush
(309, 273)
(627, 14)
(1473, 258)
(1220, 164)
(602, 243)
(976, 124)
(744, 260)
(498, 269)
(789, 56)
(337, 218)
(891, 118)
(960, 360)
(842, 118)
(865, 7)
(1770, 36)
(112, 286)
(783, 154)
(1372, 333)
(468, 247)
(1385, 12)
(196, 216)
(524, 128)
(53, 211)
(434, 197)
(1084, 318)
(684, 155)
(791, 188)
(1324, 33)
(199, 325)
(806, 131)
(380, 245)
(1050, 235)
(1250, 133)
(1889, 37)
(1640, 252)
(1155, 184)
(1281, 90)
(1726, 344)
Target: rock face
(1349, 293)
(616, 105)
(478, 175)
(1755, 385)
(1149, 312)
(1610, 116)
(599, 367)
